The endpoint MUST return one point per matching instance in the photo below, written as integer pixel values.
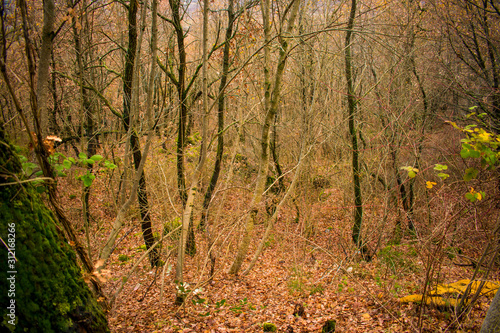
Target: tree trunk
(187, 226)
(351, 111)
(88, 125)
(220, 115)
(128, 78)
(53, 126)
(48, 35)
(35, 247)
(270, 114)
(175, 6)
(491, 323)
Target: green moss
(50, 293)
(123, 257)
(269, 327)
(329, 326)
(316, 289)
(171, 226)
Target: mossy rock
(269, 327)
(329, 326)
(47, 289)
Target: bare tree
(270, 110)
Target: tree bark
(491, 323)
(351, 111)
(48, 35)
(175, 6)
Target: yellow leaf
(430, 184)
(484, 136)
(453, 124)
(366, 316)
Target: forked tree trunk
(269, 118)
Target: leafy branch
(478, 144)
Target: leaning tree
(39, 276)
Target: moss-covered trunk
(42, 288)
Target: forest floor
(309, 266)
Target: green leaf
(471, 197)
(474, 154)
(82, 156)
(59, 167)
(90, 161)
(470, 173)
(40, 189)
(28, 167)
(86, 178)
(96, 158)
(465, 153)
(87, 181)
(412, 172)
(53, 159)
(109, 165)
(72, 160)
(440, 167)
(67, 164)
(39, 173)
(443, 175)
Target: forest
(250, 166)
